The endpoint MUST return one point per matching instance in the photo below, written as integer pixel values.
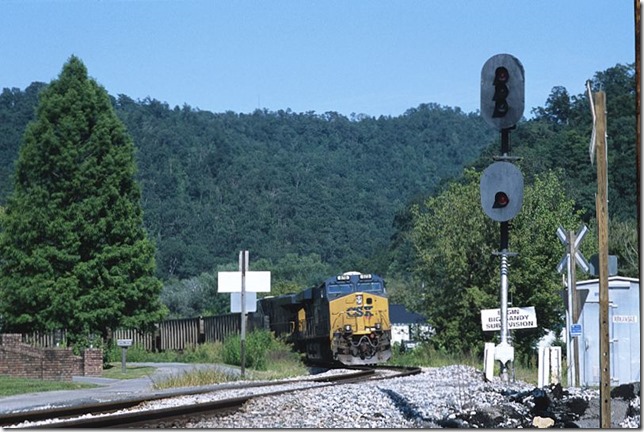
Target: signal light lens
(501, 75)
(501, 200)
(501, 92)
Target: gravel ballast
(446, 397)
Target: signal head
(502, 91)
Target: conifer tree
(74, 251)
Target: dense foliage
(315, 194)
(279, 183)
(74, 251)
(454, 242)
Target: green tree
(454, 241)
(74, 251)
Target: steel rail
(177, 416)
(71, 417)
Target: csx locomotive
(345, 319)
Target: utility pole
(602, 225)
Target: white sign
(518, 318)
(124, 342)
(256, 281)
(235, 302)
(625, 319)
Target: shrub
(261, 345)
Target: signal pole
(502, 103)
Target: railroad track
(133, 413)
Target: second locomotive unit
(345, 319)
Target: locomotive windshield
(374, 287)
(340, 288)
(347, 288)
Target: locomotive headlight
(378, 326)
(359, 299)
(347, 328)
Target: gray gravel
(447, 397)
(453, 396)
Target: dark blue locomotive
(345, 319)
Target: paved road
(108, 390)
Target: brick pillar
(92, 362)
(10, 339)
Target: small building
(623, 331)
(406, 325)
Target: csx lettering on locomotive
(358, 311)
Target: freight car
(344, 320)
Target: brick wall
(21, 360)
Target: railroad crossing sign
(579, 258)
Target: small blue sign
(575, 330)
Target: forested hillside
(332, 193)
(313, 194)
(275, 183)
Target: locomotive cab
(359, 316)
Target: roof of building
(398, 314)
(613, 279)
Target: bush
(261, 345)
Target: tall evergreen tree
(74, 251)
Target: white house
(405, 325)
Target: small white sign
(124, 342)
(256, 281)
(235, 302)
(625, 319)
(518, 318)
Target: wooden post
(602, 226)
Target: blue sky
(365, 57)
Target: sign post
(243, 282)
(124, 344)
(572, 242)
(243, 268)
